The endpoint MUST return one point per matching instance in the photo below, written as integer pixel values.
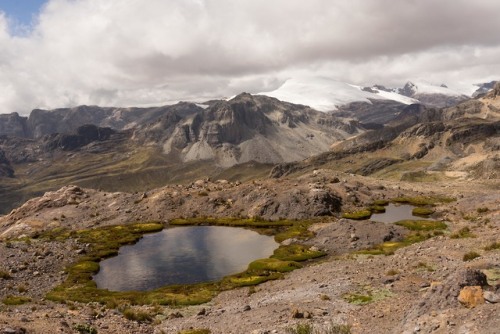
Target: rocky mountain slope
(134, 150)
(422, 143)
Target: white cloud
(132, 52)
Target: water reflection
(183, 255)
(394, 213)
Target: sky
(63, 53)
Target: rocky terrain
(139, 149)
(178, 164)
(414, 291)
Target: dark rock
(246, 308)
(471, 277)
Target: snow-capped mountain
(325, 94)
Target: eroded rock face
(6, 169)
(13, 125)
(84, 135)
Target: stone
(492, 297)
(296, 314)
(246, 308)
(471, 296)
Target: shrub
(301, 329)
(492, 246)
(195, 331)
(85, 329)
(16, 300)
(392, 272)
(482, 210)
(470, 256)
(5, 274)
(462, 233)
(139, 316)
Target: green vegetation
(422, 211)
(4, 274)
(380, 202)
(470, 256)
(424, 267)
(85, 329)
(309, 329)
(423, 201)
(482, 210)
(422, 225)
(105, 242)
(367, 296)
(299, 230)
(417, 227)
(493, 276)
(139, 316)
(232, 222)
(377, 209)
(392, 272)
(301, 329)
(462, 233)
(273, 265)
(358, 215)
(195, 331)
(296, 252)
(493, 246)
(16, 300)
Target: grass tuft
(462, 233)
(470, 256)
(493, 246)
(16, 300)
(422, 225)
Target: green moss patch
(231, 222)
(423, 200)
(367, 296)
(106, 241)
(296, 252)
(422, 225)
(195, 331)
(16, 300)
(388, 248)
(422, 211)
(358, 215)
(273, 265)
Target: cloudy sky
(60, 53)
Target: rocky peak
(495, 92)
(409, 89)
(13, 125)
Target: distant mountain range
(133, 149)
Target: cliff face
(247, 128)
(13, 125)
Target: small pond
(183, 255)
(394, 212)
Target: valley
(311, 180)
